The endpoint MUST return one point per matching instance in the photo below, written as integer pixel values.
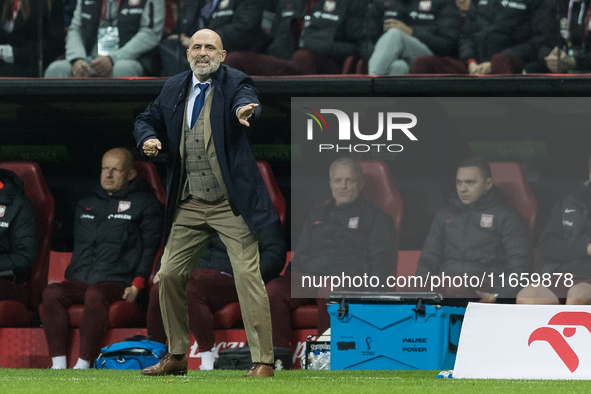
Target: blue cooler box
(393, 331)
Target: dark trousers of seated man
(282, 305)
(58, 297)
(12, 291)
(303, 62)
(501, 63)
(208, 291)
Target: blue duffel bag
(132, 353)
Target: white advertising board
(525, 342)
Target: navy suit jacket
(163, 119)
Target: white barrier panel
(525, 342)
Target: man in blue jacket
(213, 185)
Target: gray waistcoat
(202, 178)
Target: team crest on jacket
(330, 5)
(486, 220)
(224, 3)
(425, 5)
(123, 206)
(2, 210)
(354, 222)
(134, 3)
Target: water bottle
(445, 374)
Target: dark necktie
(199, 101)
(205, 13)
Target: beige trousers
(194, 224)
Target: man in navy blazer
(213, 185)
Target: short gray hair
(346, 161)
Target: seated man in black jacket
(565, 245)
(117, 232)
(571, 53)
(478, 235)
(237, 22)
(211, 287)
(348, 235)
(412, 29)
(332, 30)
(498, 37)
(18, 245)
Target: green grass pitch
(42, 381)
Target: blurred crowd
(127, 38)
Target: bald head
(205, 53)
(117, 170)
(123, 154)
(209, 35)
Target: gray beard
(204, 72)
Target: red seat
(169, 19)
(378, 188)
(288, 258)
(148, 172)
(350, 64)
(121, 313)
(353, 64)
(12, 313)
(407, 264)
(230, 316)
(58, 262)
(361, 67)
(274, 192)
(511, 179)
(305, 316)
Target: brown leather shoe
(169, 365)
(260, 370)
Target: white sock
(207, 360)
(59, 362)
(82, 364)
